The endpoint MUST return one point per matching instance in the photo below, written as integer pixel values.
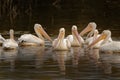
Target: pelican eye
(92, 25)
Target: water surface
(42, 63)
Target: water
(42, 63)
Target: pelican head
(105, 35)
(96, 31)
(40, 31)
(61, 33)
(75, 33)
(90, 27)
(95, 34)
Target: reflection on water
(104, 65)
(61, 57)
(76, 55)
(8, 57)
(94, 54)
(42, 63)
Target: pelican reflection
(29, 52)
(94, 55)
(9, 56)
(31, 55)
(40, 57)
(105, 65)
(77, 53)
(62, 57)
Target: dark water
(42, 63)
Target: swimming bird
(60, 43)
(10, 44)
(74, 37)
(32, 40)
(106, 45)
(2, 39)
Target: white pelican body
(60, 43)
(106, 45)
(63, 45)
(10, 43)
(2, 39)
(29, 39)
(111, 46)
(73, 39)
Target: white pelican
(60, 43)
(106, 45)
(29, 39)
(73, 38)
(2, 39)
(10, 43)
(90, 28)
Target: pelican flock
(64, 47)
(93, 39)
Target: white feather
(29, 38)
